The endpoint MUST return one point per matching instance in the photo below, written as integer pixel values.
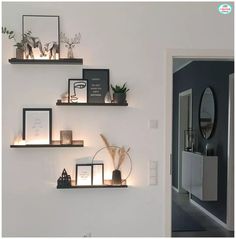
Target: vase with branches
(70, 43)
(120, 154)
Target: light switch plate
(153, 124)
(153, 172)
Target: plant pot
(119, 98)
(116, 177)
(19, 53)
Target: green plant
(11, 34)
(20, 45)
(120, 89)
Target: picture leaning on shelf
(37, 131)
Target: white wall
(131, 40)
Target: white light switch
(153, 124)
(152, 172)
(153, 181)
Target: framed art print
(41, 36)
(98, 84)
(77, 90)
(37, 125)
(98, 174)
(83, 174)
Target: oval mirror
(207, 113)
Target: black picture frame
(77, 174)
(81, 83)
(93, 174)
(43, 37)
(49, 111)
(98, 84)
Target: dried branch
(112, 151)
(64, 39)
(76, 39)
(122, 154)
(72, 41)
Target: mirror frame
(199, 113)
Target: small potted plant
(119, 93)
(19, 45)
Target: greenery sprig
(11, 34)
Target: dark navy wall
(198, 75)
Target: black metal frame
(102, 164)
(107, 71)
(69, 80)
(215, 113)
(38, 109)
(44, 16)
(81, 165)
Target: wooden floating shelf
(76, 143)
(90, 104)
(95, 186)
(61, 61)
(107, 184)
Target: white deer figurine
(70, 43)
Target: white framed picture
(83, 174)
(37, 125)
(98, 174)
(77, 90)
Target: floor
(212, 229)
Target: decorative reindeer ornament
(70, 43)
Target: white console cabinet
(199, 175)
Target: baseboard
(176, 189)
(216, 219)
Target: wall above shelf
(61, 61)
(90, 104)
(56, 143)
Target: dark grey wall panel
(198, 75)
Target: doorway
(197, 171)
(193, 55)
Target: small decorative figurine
(64, 97)
(52, 48)
(31, 42)
(64, 181)
(70, 43)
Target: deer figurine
(70, 43)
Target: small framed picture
(77, 91)
(83, 174)
(98, 174)
(41, 36)
(37, 125)
(66, 136)
(98, 84)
